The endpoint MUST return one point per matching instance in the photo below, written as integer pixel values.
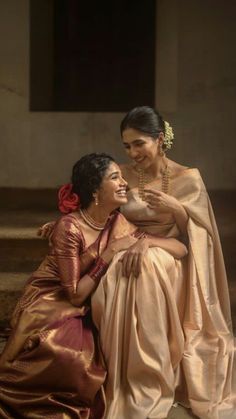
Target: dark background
(91, 56)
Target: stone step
(21, 249)
(22, 198)
(19, 254)
(11, 286)
(24, 223)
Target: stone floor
(21, 250)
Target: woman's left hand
(160, 201)
(132, 259)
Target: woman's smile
(141, 148)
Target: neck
(158, 171)
(94, 218)
(157, 168)
(98, 213)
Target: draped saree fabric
(52, 365)
(167, 336)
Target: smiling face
(140, 147)
(112, 192)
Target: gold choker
(144, 179)
(89, 220)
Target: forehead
(113, 167)
(130, 134)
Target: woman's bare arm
(171, 245)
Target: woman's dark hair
(144, 119)
(87, 175)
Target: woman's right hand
(117, 245)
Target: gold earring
(96, 200)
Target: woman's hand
(116, 245)
(160, 201)
(132, 259)
(46, 230)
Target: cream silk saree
(167, 336)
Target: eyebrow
(113, 173)
(137, 140)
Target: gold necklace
(143, 179)
(90, 221)
(165, 183)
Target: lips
(121, 192)
(140, 160)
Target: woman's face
(113, 190)
(140, 147)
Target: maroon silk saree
(52, 365)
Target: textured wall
(39, 148)
(195, 90)
(196, 84)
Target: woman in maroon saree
(52, 365)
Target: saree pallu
(52, 365)
(167, 336)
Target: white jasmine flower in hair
(169, 135)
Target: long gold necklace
(90, 221)
(143, 179)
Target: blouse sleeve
(67, 243)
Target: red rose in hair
(67, 200)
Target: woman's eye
(127, 147)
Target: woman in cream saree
(166, 335)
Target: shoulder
(68, 220)
(68, 225)
(177, 169)
(189, 177)
(67, 235)
(67, 238)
